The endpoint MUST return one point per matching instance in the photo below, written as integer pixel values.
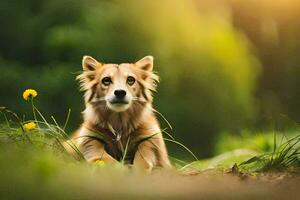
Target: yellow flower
(27, 94)
(29, 126)
(99, 163)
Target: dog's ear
(90, 64)
(145, 63)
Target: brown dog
(119, 123)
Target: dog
(119, 124)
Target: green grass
(39, 168)
(284, 155)
(258, 152)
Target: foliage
(258, 141)
(196, 54)
(222, 69)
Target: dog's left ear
(145, 63)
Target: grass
(285, 155)
(40, 170)
(254, 156)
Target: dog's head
(118, 86)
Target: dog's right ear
(90, 64)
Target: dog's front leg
(93, 150)
(145, 158)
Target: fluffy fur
(109, 127)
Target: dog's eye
(130, 80)
(106, 81)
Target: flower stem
(33, 111)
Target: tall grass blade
(125, 151)
(183, 146)
(67, 120)
(163, 117)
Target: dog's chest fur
(119, 129)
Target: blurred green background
(225, 65)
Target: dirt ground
(207, 185)
(217, 185)
(165, 185)
(211, 185)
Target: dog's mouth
(119, 101)
(118, 105)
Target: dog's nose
(120, 93)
